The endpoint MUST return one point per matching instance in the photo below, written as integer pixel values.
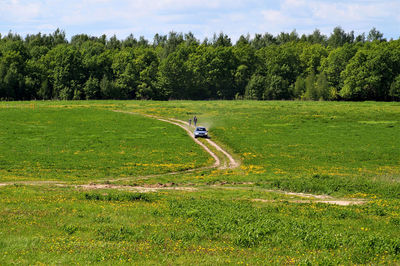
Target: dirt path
(223, 160)
(304, 197)
(340, 202)
(226, 161)
(216, 158)
(219, 163)
(232, 162)
(141, 189)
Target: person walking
(195, 120)
(190, 122)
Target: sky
(201, 17)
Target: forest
(288, 66)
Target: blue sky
(202, 17)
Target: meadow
(211, 216)
(57, 142)
(344, 147)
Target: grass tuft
(119, 197)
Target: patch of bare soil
(304, 195)
(325, 198)
(341, 202)
(143, 177)
(344, 202)
(36, 182)
(223, 183)
(311, 197)
(143, 189)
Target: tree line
(179, 66)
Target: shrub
(119, 197)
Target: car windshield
(201, 129)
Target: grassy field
(324, 147)
(231, 216)
(73, 143)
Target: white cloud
(353, 15)
(18, 11)
(203, 17)
(350, 11)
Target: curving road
(223, 160)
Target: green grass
(304, 137)
(76, 143)
(348, 150)
(348, 144)
(60, 225)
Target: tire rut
(232, 163)
(228, 163)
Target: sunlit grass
(79, 143)
(231, 216)
(298, 140)
(62, 225)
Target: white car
(201, 132)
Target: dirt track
(232, 163)
(224, 161)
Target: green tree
(220, 72)
(312, 56)
(97, 62)
(159, 40)
(339, 37)
(190, 39)
(261, 41)
(197, 66)
(13, 57)
(370, 73)
(243, 41)
(65, 71)
(130, 41)
(113, 43)
(311, 88)
(394, 91)
(36, 80)
(256, 87)
(247, 64)
(92, 88)
(126, 73)
(174, 76)
(316, 38)
(284, 37)
(336, 63)
(299, 87)
(285, 66)
(11, 78)
(277, 88)
(58, 37)
(281, 66)
(324, 92)
(172, 43)
(221, 40)
(147, 64)
(375, 35)
(108, 90)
